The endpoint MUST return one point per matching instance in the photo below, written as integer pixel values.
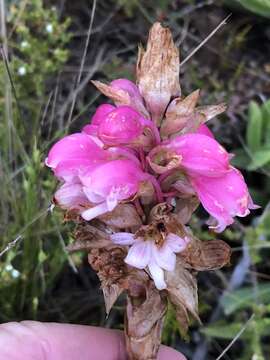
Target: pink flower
(109, 184)
(101, 112)
(201, 155)
(71, 196)
(193, 153)
(204, 130)
(125, 126)
(146, 253)
(73, 154)
(223, 197)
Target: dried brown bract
(158, 71)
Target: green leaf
(245, 298)
(259, 7)
(266, 121)
(254, 128)
(259, 159)
(241, 159)
(220, 330)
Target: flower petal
(75, 146)
(117, 179)
(164, 257)
(120, 126)
(158, 275)
(176, 243)
(112, 201)
(71, 196)
(95, 211)
(139, 254)
(74, 154)
(70, 170)
(92, 196)
(201, 155)
(223, 197)
(123, 238)
(204, 130)
(101, 113)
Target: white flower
(49, 28)
(24, 44)
(146, 253)
(15, 273)
(22, 70)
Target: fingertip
(167, 353)
(62, 341)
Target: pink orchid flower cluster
(120, 158)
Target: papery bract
(146, 254)
(158, 71)
(123, 92)
(128, 86)
(136, 100)
(181, 114)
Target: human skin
(31, 340)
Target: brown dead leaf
(159, 211)
(180, 112)
(112, 272)
(146, 307)
(210, 111)
(158, 71)
(182, 293)
(89, 237)
(121, 97)
(122, 217)
(206, 255)
(185, 208)
(111, 293)
(163, 160)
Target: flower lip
(223, 197)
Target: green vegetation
(259, 7)
(37, 50)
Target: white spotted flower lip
(144, 254)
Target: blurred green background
(43, 96)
